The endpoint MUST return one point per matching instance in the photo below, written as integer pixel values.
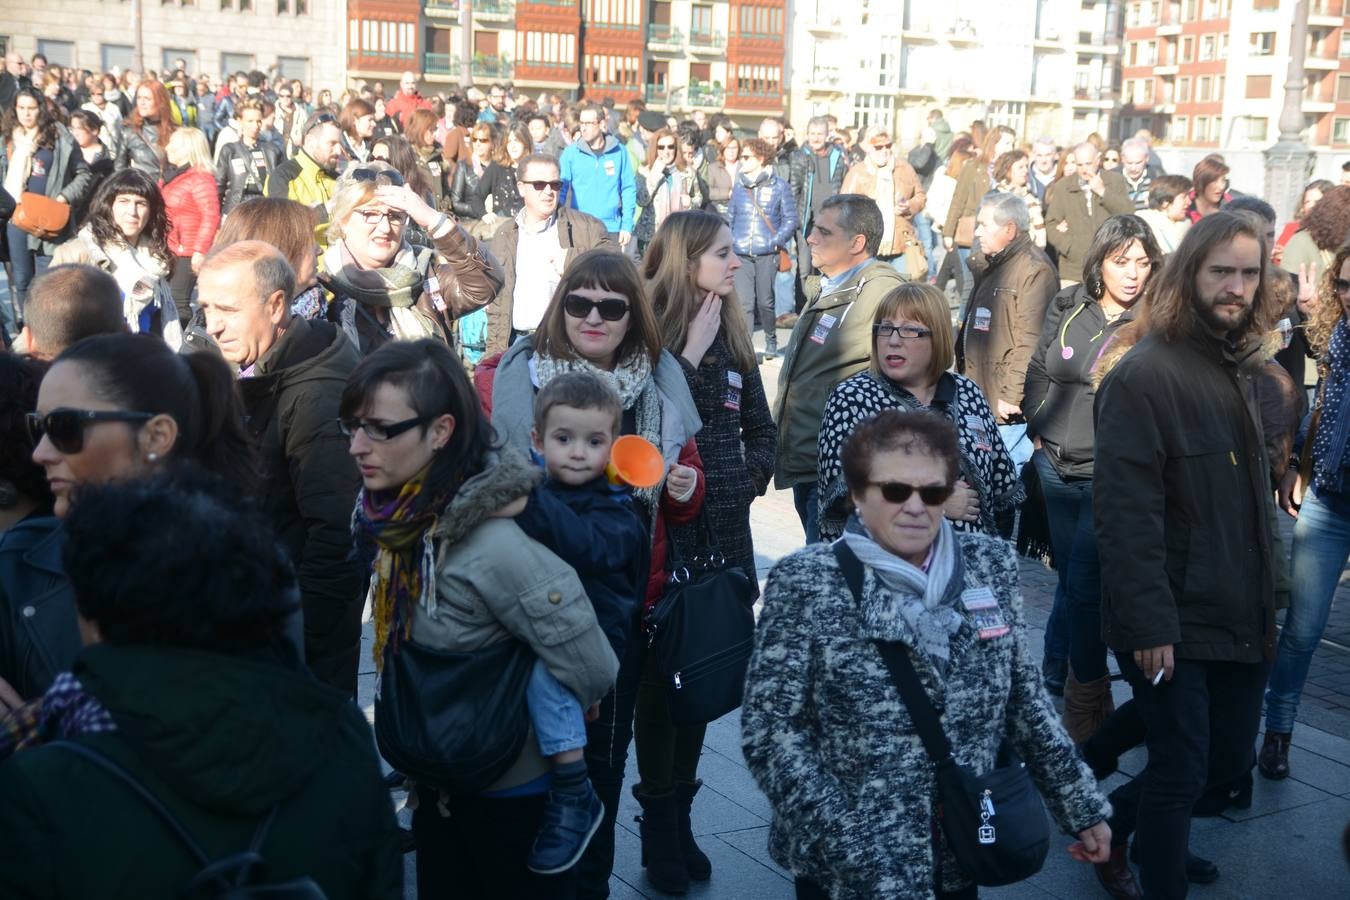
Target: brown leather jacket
(1013, 289)
(861, 179)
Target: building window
(58, 53)
(293, 68)
(1202, 90)
(189, 57)
(1263, 43)
(117, 56)
(1258, 87)
(1345, 45)
(1189, 9)
(1187, 49)
(1180, 130)
(235, 62)
(1340, 131)
(1342, 88)
(1257, 129)
(1207, 47)
(1201, 128)
(1184, 89)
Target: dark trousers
(607, 740)
(809, 890)
(1201, 728)
(1075, 626)
(805, 497)
(666, 754)
(754, 287)
(181, 282)
(480, 849)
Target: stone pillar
(1289, 163)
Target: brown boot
(1274, 759)
(1116, 877)
(1086, 706)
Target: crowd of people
(280, 362)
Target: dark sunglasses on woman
(65, 427)
(899, 492)
(365, 173)
(579, 307)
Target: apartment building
(677, 55)
(885, 62)
(296, 38)
(1211, 73)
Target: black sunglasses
(579, 307)
(321, 119)
(884, 330)
(365, 173)
(540, 185)
(378, 432)
(1340, 285)
(899, 492)
(65, 427)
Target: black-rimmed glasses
(65, 427)
(378, 431)
(884, 330)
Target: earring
(151, 457)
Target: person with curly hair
(127, 236)
(1325, 227)
(1012, 175)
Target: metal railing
(664, 34)
(480, 67)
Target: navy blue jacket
(595, 529)
(749, 232)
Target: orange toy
(636, 462)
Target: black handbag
(702, 632)
(454, 721)
(229, 878)
(995, 822)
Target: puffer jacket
(828, 739)
(750, 235)
(1003, 321)
(494, 584)
(1059, 391)
(140, 149)
(194, 210)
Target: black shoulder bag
(702, 632)
(228, 878)
(995, 823)
(454, 721)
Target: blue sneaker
(569, 823)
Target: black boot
(695, 861)
(1274, 759)
(661, 842)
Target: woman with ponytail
(454, 573)
(111, 407)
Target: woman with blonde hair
(1012, 175)
(464, 197)
(381, 285)
(665, 185)
(192, 202)
(497, 189)
(690, 270)
(912, 353)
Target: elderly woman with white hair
(886, 177)
(382, 286)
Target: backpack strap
(210, 871)
(906, 680)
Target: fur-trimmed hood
(509, 476)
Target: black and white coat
(830, 742)
(985, 463)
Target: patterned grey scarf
(925, 601)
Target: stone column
(1289, 162)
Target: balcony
(494, 10)
(665, 39)
(1327, 65)
(705, 95)
(824, 78)
(1325, 14)
(617, 91)
(706, 42)
(442, 9)
(553, 3)
(480, 67)
(656, 93)
(827, 25)
(537, 70)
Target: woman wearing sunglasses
(464, 197)
(110, 407)
(763, 219)
(600, 321)
(851, 786)
(497, 188)
(889, 179)
(384, 286)
(912, 354)
(665, 185)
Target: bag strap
(120, 773)
(759, 209)
(897, 661)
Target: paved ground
(1297, 821)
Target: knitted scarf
(924, 600)
(1333, 425)
(632, 380)
(403, 573)
(395, 287)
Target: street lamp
(1289, 162)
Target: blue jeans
(1064, 503)
(1018, 442)
(805, 497)
(24, 265)
(1321, 545)
(559, 724)
(967, 280)
(923, 226)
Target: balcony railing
(444, 5)
(826, 76)
(657, 93)
(480, 66)
(705, 95)
(602, 88)
(495, 8)
(706, 40)
(571, 3)
(667, 35)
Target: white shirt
(539, 265)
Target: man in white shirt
(535, 249)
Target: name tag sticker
(983, 608)
(1286, 330)
(734, 385)
(238, 165)
(978, 433)
(982, 318)
(822, 329)
(609, 168)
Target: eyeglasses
(882, 146)
(321, 119)
(65, 427)
(579, 307)
(377, 431)
(540, 185)
(367, 174)
(749, 156)
(665, 146)
(583, 123)
(1340, 285)
(482, 140)
(372, 217)
(884, 330)
(899, 492)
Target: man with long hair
(1182, 509)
